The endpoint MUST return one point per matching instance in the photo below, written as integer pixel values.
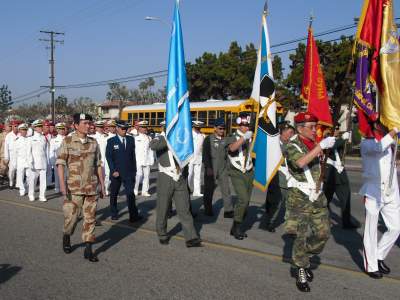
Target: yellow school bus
(206, 111)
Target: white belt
(338, 166)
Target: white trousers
(195, 175)
(107, 180)
(12, 170)
(375, 250)
(33, 175)
(142, 173)
(21, 173)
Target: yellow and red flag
(313, 89)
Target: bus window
(221, 114)
(193, 115)
(130, 118)
(202, 116)
(141, 116)
(211, 117)
(233, 118)
(160, 117)
(135, 117)
(146, 116)
(153, 118)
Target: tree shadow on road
(7, 272)
(349, 239)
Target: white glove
(327, 143)
(248, 135)
(396, 129)
(346, 135)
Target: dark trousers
(274, 201)
(130, 196)
(343, 193)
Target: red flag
(313, 89)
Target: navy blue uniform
(121, 158)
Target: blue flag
(178, 119)
(266, 146)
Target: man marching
(21, 146)
(306, 203)
(196, 160)
(9, 152)
(80, 155)
(381, 196)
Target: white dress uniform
(144, 160)
(38, 162)
(9, 154)
(21, 147)
(195, 164)
(49, 171)
(107, 180)
(55, 144)
(379, 197)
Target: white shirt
(55, 144)
(198, 139)
(37, 152)
(9, 147)
(21, 147)
(377, 159)
(144, 155)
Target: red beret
(303, 117)
(15, 122)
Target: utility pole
(52, 42)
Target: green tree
(5, 100)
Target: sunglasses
(221, 128)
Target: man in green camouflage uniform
(306, 203)
(240, 171)
(80, 155)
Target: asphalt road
(133, 265)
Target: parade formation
(299, 165)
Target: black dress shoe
(229, 214)
(88, 253)
(237, 232)
(301, 280)
(136, 219)
(383, 268)
(309, 274)
(164, 241)
(193, 243)
(270, 228)
(114, 218)
(67, 244)
(208, 212)
(375, 275)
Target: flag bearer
(21, 146)
(240, 171)
(196, 161)
(306, 203)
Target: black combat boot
(237, 232)
(88, 254)
(383, 268)
(301, 280)
(67, 244)
(309, 274)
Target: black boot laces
(302, 275)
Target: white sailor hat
(99, 123)
(143, 123)
(197, 123)
(60, 125)
(23, 126)
(37, 123)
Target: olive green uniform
(311, 218)
(82, 160)
(215, 158)
(241, 174)
(172, 184)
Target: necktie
(123, 142)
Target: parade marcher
(172, 185)
(196, 160)
(336, 180)
(9, 152)
(38, 160)
(240, 171)
(48, 136)
(79, 155)
(101, 138)
(144, 159)
(21, 146)
(120, 155)
(277, 189)
(92, 130)
(134, 131)
(381, 197)
(306, 203)
(215, 162)
(3, 165)
(55, 144)
(110, 129)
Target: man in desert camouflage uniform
(306, 203)
(80, 154)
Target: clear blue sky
(108, 39)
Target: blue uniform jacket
(119, 159)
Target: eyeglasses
(311, 127)
(221, 128)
